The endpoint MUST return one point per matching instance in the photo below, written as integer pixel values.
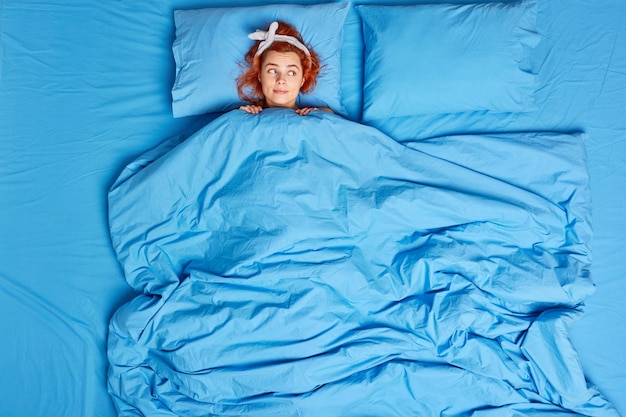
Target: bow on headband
(268, 37)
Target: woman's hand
(251, 108)
(306, 110)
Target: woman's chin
(289, 104)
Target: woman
(277, 69)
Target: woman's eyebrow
(267, 64)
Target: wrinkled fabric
(308, 266)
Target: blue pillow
(211, 43)
(448, 58)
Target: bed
(448, 243)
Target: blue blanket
(312, 266)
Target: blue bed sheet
(85, 88)
(282, 260)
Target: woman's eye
(271, 71)
(292, 73)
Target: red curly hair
(248, 84)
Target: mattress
(86, 95)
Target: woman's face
(281, 78)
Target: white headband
(267, 38)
